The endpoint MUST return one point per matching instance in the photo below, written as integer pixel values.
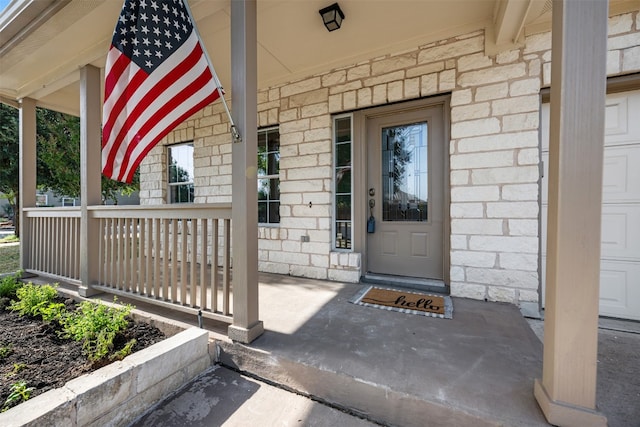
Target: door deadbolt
(372, 192)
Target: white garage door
(620, 251)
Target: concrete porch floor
(392, 368)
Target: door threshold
(415, 283)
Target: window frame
(348, 243)
(172, 185)
(270, 177)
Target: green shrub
(34, 299)
(19, 393)
(8, 286)
(96, 325)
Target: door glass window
(404, 173)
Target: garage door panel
(620, 289)
(621, 174)
(621, 123)
(620, 228)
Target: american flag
(156, 76)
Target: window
(269, 176)
(342, 182)
(181, 173)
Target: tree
(58, 157)
(9, 156)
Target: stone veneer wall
(494, 155)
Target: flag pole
(234, 130)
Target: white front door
(620, 244)
(405, 186)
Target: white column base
(245, 335)
(565, 414)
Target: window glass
(342, 182)
(269, 176)
(180, 159)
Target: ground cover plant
(48, 340)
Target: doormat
(405, 302)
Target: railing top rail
(49, 212)
(168, 211)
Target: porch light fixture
(332, 16)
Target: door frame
(360, 191)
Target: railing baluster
(183, 262)
(193, 279)
(156, 256)
(149, 257)
(142, 259)
(165, 266)
(215, 284)
(174, 260)
(203, 263)
(225, 267)
(126, 255)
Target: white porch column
(90, 179)
(244, 94)
(567, 391)
(27, 175)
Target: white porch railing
(175, 256)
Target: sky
(3, 4)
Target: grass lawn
(9, 258)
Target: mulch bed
(38, 356)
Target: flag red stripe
(157, 120)
(162, 88)
(132, 169)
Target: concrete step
(222, 397)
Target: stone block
(526, 192)
(501, 141)
(538, 42)
(459, 242)
(623, 42)
(505, 278)
(473, 259)
(495, 74)
(523, 227)
(520, 244)
(310, 272)
(456, 274)
(631, 59)
(493, 91)
(467, 210)
(347, 276)
(461, 97)
(459, 177)
(412, 88)
(318, 260)
(395, 91)
(506, 175)
(477, 127)
(335, 78)
(425, 69)
(501, 294)
(466, 290)
(364, 97)
(508, 56)
(520, 122)
(515, 261)
(301, 86)
(476, 226)
(359, 72)
(451, 50)
(613, 62)
(474, 62)
(314, 109)
(393, 63)
(512, 209)
(429, 84)
(447, 80)
(524, 87)
(482, 160)
(470, 112)
(384, 78)
(475, 193)
(519, 104)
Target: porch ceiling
(43, 43)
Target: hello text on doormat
(405, 301)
